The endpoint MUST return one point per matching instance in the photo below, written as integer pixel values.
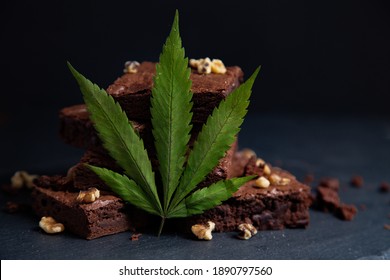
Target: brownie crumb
(386, 226)
(362, 207)
(346, 212)
(357, 181)
(12, 207)
(328, 200)
(135, 236)
(309, 178)
(384, 187)
(330, 183)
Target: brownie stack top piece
(133, 90)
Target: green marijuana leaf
(209, 197)
(215, 138)
(171, 117)
(118, 136)
(171, 111)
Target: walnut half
(246, 231)
(88, 196)
(203, 231)
(23, 178)
(49, 225)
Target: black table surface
(336, 146)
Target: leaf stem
(161, 226)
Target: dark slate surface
(338, 146)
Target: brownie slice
(133, 90)
(83, 178)
(76, 129)
(107, 215)
(274, 208)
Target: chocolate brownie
(133, 90)
(76, 129)
(83, 178)
(105, 216)
(272, 208)
(275, 207)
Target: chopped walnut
(275, 179)
(203, 231)
(267, 169)
(131, 67)
(248, 153)
(262, 182)
(207, 66)
(88, 196)
(23, 179)
(217, 66)
(49, 225)
(204, 66)
(285, 181)
(260, 162)
(246, 231)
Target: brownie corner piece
(105, 216)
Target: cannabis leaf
(171, 116)
(215, 138)
(118, 136)
(171, 111)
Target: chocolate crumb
(309, 178)
(386, 226)
(135, 236)
(328, 199)
(330, 183)
(11, 207)
(346, 212)
(357, 181)
(384, 187)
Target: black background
(326, 57)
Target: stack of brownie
(272, 208)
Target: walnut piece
(248, 153)
(217, 66)
(203, 231)
(49, 225)
(285, 181)
(88, 196)
(23, 179)
(260, 162)
(246, 231)
(207, 66)
(262, 182)
(275, 179)
(131, 67)
(267, 169)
